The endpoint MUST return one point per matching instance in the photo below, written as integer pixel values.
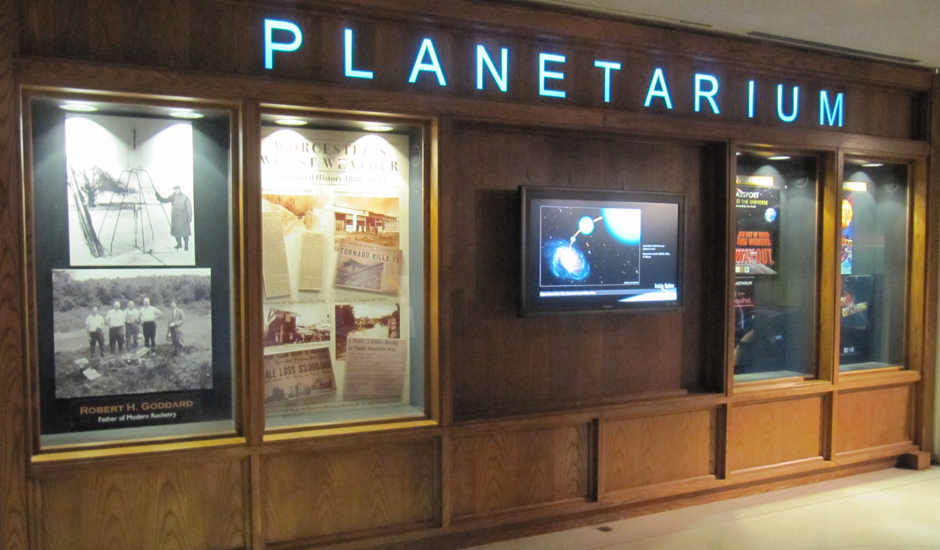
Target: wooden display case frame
(160, 443)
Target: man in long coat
(181, 214)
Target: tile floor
(884, 510)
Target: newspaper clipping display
(374, 367)
(335, 211)
(297, 373)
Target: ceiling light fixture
(779, 157)
(290, 122)
(859, 186)
(191, 115)
(377, 128)
(78, 107)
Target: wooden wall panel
(872, 418)
(502, 470)
(313, 495)
(223, 36)
(645, 451)
(764, 434)
(503, 364)
(13, 417)
(166, 508)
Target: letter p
(270, 46)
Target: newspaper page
(296, 373)
(367, 266)
(312, 250)
(276, 273)
(328, 187)
(375, 367)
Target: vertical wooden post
(929, 424)
(13, 514)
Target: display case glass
(343, 250)
(131, 214)
(873, 264)
(776, 217)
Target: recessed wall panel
(502, 470)
(764, 434)
(658, 449)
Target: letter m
(830, 114)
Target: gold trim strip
(348, 430)
(137, 450)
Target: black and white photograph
(366, 320)
(296, 323)
(371, 267)
(131, 331)
(130, 191)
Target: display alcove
(133, 261)
(776, 209)
(343, 236)
(873, 264)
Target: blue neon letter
(350, 72)
(796, 104)
(750, 99)
(709, 95)
(543, 74)
(427, 49)
(270, 46)
(482, 57)
(607, 66)
(658, 88)
(825, 112)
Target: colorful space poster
(757, 210)
(848, 232)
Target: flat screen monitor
(594, 250)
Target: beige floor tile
(617, 532)
(782, 531)
(834, 489)
(884, 510)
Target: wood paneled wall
(873, 418)
(651, 450)
(502, 470)
(776, 432)
(224, 36)
(311, 495)
(13, 420)
(504, 364)
(178, 507)
(545, 421)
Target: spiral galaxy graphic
(566, 261)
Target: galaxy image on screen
(589, 246)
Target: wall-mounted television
(600, 250)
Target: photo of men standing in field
(124, 366)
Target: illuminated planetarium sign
(493, 68)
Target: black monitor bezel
(529, 302)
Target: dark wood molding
(14, 533)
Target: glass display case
(131, 246)
(873, 264)
(343, 239)
(776, 217)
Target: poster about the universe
(848, 232)
(758, 221)
(590, 246)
